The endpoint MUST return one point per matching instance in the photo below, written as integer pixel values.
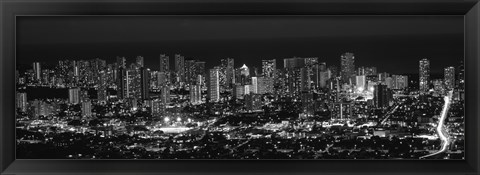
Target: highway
(440, 127)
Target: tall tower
(230, 72)
(449, 77)
(347, 67)
(269, 67)
(180, 67)
(214, 85)
(164, 63)
(37, 69)
(424, 74)
(144, 83)
(74, 95)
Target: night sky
(393, 44)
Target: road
(440, 127)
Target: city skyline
(357, 98)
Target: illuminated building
(461, 76)
(254, 85)
(87, 109)
(164, 63)
(214, 85)
(22, 102)
(102, 86)
(399, 81)
(239, 91)
(381, 96)
(367, 71)
(269, 67)
(195, 94)
(424, 74)
(180, 68)
(253, 102)
(122, 90)
(144, 83)
(308, 103)
(341, 110)
(347, 70)
(264, 85)
(229, 66)
(449, 76)
(74, 95)
(37, 69)
(360, 83)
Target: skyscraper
(424, 74)
(347, 70)
(254, 85)
(22, 101)
(380, 96)
(144, 83)
(37, 70)
(269, 67)
(74, 95)
(164, 63)
(214, 85)
(229, 64)
(122, 79)
(87, 109)
(102, 86)
(449, 77)
(165, 94)
(180, 67)
(361, 83)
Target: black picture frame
(11, 8)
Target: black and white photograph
(240, 87)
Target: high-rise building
(165, 94)
(122, 79)
(308, 103)
(361, 83)
(164, 63)
(144, 83)
(424, 74)
(264, 85)
(295, 62)
(253, 102)
(239, 91)
(22, 103)
(399, 81)
(367, 71)
(461, 76)
(87, 109)
(37, 70)
(269, 67)
(214, 85)
(449, 77)
(381, 96)
(347, 70)
(74, 95)
(180, 67)
(254, 85)
(228, 70)
(102, 86)
(195, 94)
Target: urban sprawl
(93, 109)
